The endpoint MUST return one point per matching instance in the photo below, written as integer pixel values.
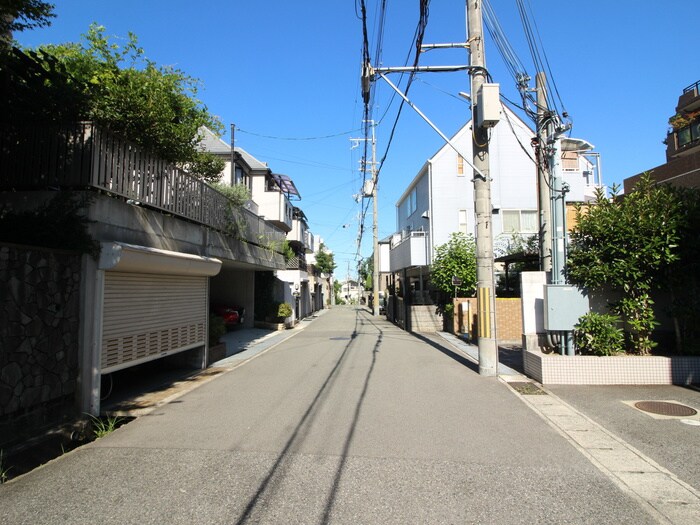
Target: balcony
(690, 98)
(83, 156)
(299, 234)
(297, 263)
(409, 250)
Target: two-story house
(440, 199)
(273, 198)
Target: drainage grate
(665, 408)
(526, 388)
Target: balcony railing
(297, 263)
(83, 156)
(409, 249)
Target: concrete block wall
(509, 318)
(424, 318)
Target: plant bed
(269, 325)
(216, 353)
(556, 369)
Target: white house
(440, 199)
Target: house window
(528, 221)
(689, 134)
(460, 165)
(684, 136)
(412, 201)
(408, 206)
(569, 161)
(271, 184)
(519, 221)
(463, 221)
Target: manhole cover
(664, 408)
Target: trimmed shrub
(599, 334)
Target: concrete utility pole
(375, 218)
(375, 231)
(543, 201)
(488, 349)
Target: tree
(456, 258)
(684, 275)
(524, 252)
(625, 243)
(119, 88)
(19, 15)
(325, 263)
(366, 272)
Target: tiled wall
(612, 370)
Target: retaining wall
(39, 337)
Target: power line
(321, 137)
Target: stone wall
(39, 337)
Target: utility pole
(233, 156)
(375, 219)
(375, 231)
(543, 201)
(488, 349)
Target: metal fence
(84, 156)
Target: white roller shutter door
(147, 316)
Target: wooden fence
(84, 156)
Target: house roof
(251, 161)
(212, 143)
(513, 120)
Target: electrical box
(563, 306)
(488, 106)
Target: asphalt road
(351, 420)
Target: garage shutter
(147, 316)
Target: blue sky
(290, 70)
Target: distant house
(273, 198)
(350, 291)
(682, 167)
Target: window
(511, 221)
(528, 221)
(684, 136)
(569, 161)
(689, 134)
(463, 221)
(460, 165)
(519, 221)
(271, 184)
(408, 206)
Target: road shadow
(273, 477)
(452, 354)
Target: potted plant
(217, 349)
(284, 312)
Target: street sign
(456, 281)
